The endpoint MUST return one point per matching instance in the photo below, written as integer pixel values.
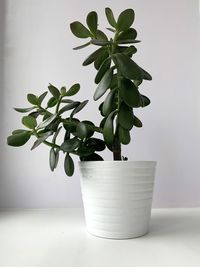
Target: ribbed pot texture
(117, 197)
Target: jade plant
(118, 79)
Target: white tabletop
(57, 238)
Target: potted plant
(117, 194)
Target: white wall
(38, 50)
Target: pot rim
(138, 163)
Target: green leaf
(41, 139)
(92, 20)
(101, 36)
(129, 34)
(69, 165)
(125, 116)
(83, 151)
(79, 108)
(57, 157)
(73, 90)
(79, 30)
(100, 59)
(52, 159)
(54, 91)
(69, 107)
(100, 42)
(81, 130)
(110, 17)
(46, 122)
(104, 84)
(129, 69)
(70, 145)
(24, 110)
(91, 58)
(129, 93)
(124, 135)
(82, 46)
(104, 67)
(18, 131)
(63, 90)
(128, 41)
(90, 131)
(29, 122)
(137, 82)
(98, 144)
(56, 134)
(67, 101)
(52, 102)
(42, 97)
(125, 19)
(92, 157)
(137, 122)
(144, 101)
(108, 129)
(32, 99)
(19, 139)
(108, 103)
(129, 51)
(111, 30)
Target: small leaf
(82, 130)
(81, 46)
(67, 101)
(52, 102)
(104, 67)
(129, 51)
(19, 139)
(92, 20)
(34, 114)
(92, 157)
(63, 90)
(70, 145)
(110, 17)
(125, 19)
(56, 134)
(52, 159)
(129, 93)
(98, 144)
(144, 101)
(108, 103)
(57, 157)
(54, 91)
(73, 90)
(32, 99)
(108, 129)
(129, 34)
(79, 108)
(111, 30)
(124, 136)
(128, 41)
(91, 58)
(41, 139)
(101, 36)
(42, 97)
(83, 151)
(69, 107)
(19, 131)
(100, 43)
(29, 122)
(100, 59)
(125, 116)
(79, 30)
(104, 84)
(88, 124)
(46, 122)
(69, 165)
(137, 122)
(24, 110)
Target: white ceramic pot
(117, 197)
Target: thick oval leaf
(129, 93)
(81, 46)
(52, 159)
(67, 101)
(69, 165)
(104, 67)
(79, 30)
(63, 90)
(128, 41)
(124, 135)
(91, 58)
(128, 68)
(42, 97)
(74, 89)
(89, 126)
(92, 157)
(129, 34)
(32, 99)
(92, 20)
(18, 131)
(100, 43)
(85, 151)
(54, 91)
(101, 36)
(47, 121)
(70, 145)
(29, 122)
(144, 101)
(110, 17)
(19, 139)
(56, 134)
(57, 157)
(104, 84)
(24, 110)
(108, 103)
(81, 130)
(129, 51)
(69, 107)
(41, 139)
(146, 75)
(108, 129)
(137, 122)
(125, 19)
(125, 116)
(79, 108)
(98, 144)
(52, 102)
(100, 59)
